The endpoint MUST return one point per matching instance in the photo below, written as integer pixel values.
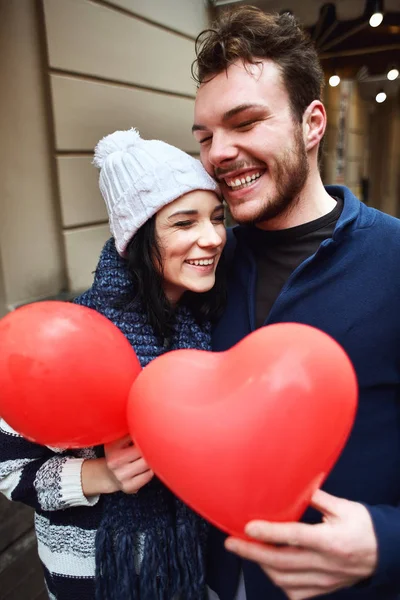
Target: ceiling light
(376, 14)
(393, 74)
(380, 97)
(334, 80)
(376, 19)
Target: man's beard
(290, 176)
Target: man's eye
(245, 124)
(205, 140)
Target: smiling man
(269, 174)
(311, 254)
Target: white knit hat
(138, 177)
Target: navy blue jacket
(350, 288)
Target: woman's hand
(122, 469)
(126, 465)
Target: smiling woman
(160, 281)
(191, 233)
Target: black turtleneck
(279, 253)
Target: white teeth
(234, 183)
(202, 262)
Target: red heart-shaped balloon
(249, 433)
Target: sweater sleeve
(386, 521)
(41, 477)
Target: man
(312, 255)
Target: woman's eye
(183, 223)
(220, 218)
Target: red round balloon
(249, 433)
(65, 375)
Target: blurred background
(72, 71)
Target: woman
(101, 511)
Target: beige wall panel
(87, 38)
(85, 111)
(187, 16)
(30, 243)
(81, 201)
(82, 248)
(3, 299)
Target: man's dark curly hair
(250, 35)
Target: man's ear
(314, 124)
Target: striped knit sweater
(50, 480)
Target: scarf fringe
(191, 561)
(159, 572)
(169, 566)
(106, 569)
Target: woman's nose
(210, 237)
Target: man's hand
(314, 559)
(126, 465)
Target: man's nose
(222, 150)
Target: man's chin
(246, 213)
(248, 216)
(254, 214)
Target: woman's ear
(314, 124)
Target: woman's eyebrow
(183, 212)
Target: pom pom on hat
(119, 141)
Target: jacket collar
(352, 208)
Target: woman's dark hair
(145, 268)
